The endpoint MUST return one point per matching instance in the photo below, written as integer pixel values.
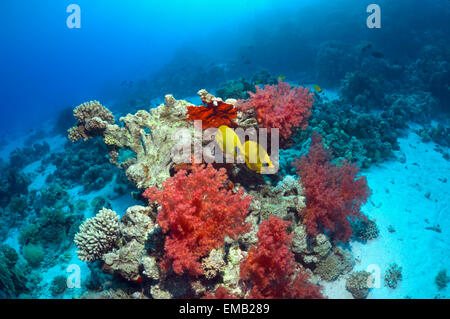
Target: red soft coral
(197, 212)
(280, 106)
(270, 267)
(334, 194)
(213, 114)
(221, 293)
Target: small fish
(318, 88)
(256, 157)
(281, 77)
(378, 55)
(228, 141)
(258, 82)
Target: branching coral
(280, 106)
(270, 268)
(196, 213)
(97, 235)
(93, 118)
(333, 193)
(213, 113)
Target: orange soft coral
(196, 212)
(213, 114)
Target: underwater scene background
(94, 94)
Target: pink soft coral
(270, 267)
(334, 194)
(197, 212)
(280, 106)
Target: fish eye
(265, 164)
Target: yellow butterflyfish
(318, 88)
(256, 157)
(228, 141)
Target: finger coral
(213, 113)
(334, 194)
(97, 235)
(270, 267)
(92, 118)
(280, 106)
(196, 212)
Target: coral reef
(34, 254)
(196, 213)
(286, 197)
(213, 113)
(12, 279)
(270, 267)
(337, 263)
(333, 193)
(148, 136)
(365, 230)
(280, 106)
(393, 276)
(442, 279)
(358, 284)
(220, 293)
(93, 118)
(97, 235)
(58, 285)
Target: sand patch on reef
(399, 200)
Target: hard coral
(196, 213)
(213, 113)
(93, 118)
(97, 235)
(280, 106)
(270, 267)
(333, 193)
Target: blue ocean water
(381, 85)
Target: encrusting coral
(97, 235)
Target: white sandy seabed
(408, 196)
(412, 197)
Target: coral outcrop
(97, 235)
(359, 284)
(93, 118)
